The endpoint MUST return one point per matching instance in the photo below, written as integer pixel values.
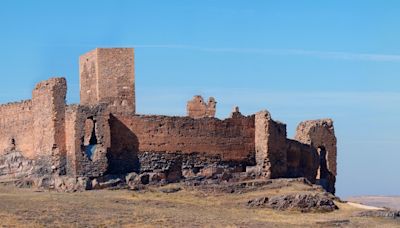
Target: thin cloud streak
(287, 52)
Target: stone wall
(270, 145)
(198, 108)
(320, 134)
(48, 99)
(302, 160)
(88, 69)
(16, 128)
(87, 140)
(231, 139)
(107, 76)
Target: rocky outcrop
(304, 202)
(392, 214)
(14, 167)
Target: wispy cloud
(284, 103)
(287, 52)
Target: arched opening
(324, 176)
(323, 171)
(90, 138)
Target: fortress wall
(87, 140)
(270, 145)
(302, 160)
(232, 139)
(320, 134)
(16, 122)
(72, 140)
(48, 99)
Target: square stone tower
(107, 75)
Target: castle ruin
(103, 135)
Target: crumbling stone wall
(48, 99)
(88, 140)
(102, 136)
(197, 108)
(16, 128)
(270, 145)
(107, 76)
(320, 134)
(302, 160)
(232, 139)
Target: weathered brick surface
(198, 108)
(232, 139)
(107, 76)
(103, 136)
(79, 136)
(302, 160)
(320, 134)
(16, 128)
(48, 99)
(270, 145)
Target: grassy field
(189, 207)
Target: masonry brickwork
(107, 75)
(232, 139)
(198, 108)
(16, 128)
(320, 134)
(103, 135)
(88, 140)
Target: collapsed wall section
(320, 135)
(87, 140)
(198, 108)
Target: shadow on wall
(324, 177)
(123, 155)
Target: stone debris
(391, 214)
(304, 202)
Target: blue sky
(298, 59)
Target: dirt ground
(190, 207)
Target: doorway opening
(90, 138)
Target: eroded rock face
(304, 202)
(16, 168)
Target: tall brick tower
(107, 75)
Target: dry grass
(152, 208)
